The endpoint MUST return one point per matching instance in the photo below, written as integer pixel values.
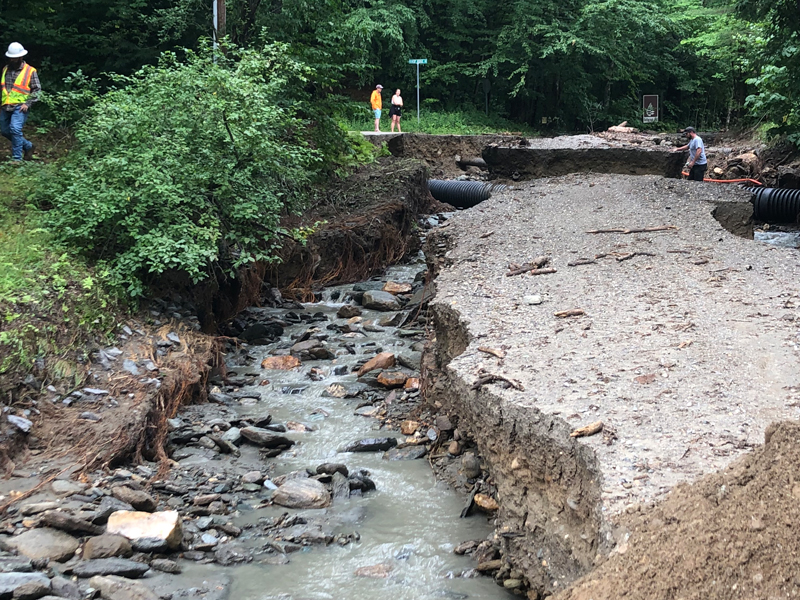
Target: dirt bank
(683, 347)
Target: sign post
(418, 62)
(650, 112)
(487, 87)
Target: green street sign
(418, 61)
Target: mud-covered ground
(684, 345)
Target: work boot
(29, 152)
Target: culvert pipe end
(776, 205)
(462, 194)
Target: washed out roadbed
(675, 348)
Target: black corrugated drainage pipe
(776, 205)
(462, 194)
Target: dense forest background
(581, 64)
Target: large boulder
(112, 587)
(264, 438)
(302, 493)
(148, 530)
(122, 567)
(44, 543)
(380, 300)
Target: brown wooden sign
(650, 112)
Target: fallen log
(635, 229)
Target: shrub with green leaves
(188, 165)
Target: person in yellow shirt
(377, 104)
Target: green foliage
(456, 122)
(187, 166)
(50, 301)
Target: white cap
(15, 50)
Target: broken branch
(588, 430)
(484, 378)
(582, 261)
(635, 229)
(572, 312)
(536, 263)
(493, 351)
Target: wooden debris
(582, 261)
(701, 261)
(486, 235)
(493, 351)
(678, 252)
(632, 254)
(546, 271)
(635, 230)
(588, 430)
(609, 435)
(485, 377)
(572, 312)
(685, 344)
(536, 263)
(645, 379)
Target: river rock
(395, 288)
(281, 363)
(232, 436)
(107, 546)
(310, 349)
(407, 453)
(253, 477)
(113, 587)
(409, 427)
(34, 508)
(379, 571)
(11, 581)
(44, 543)
(348, 311)
(380, 300)
(384, 360)
(147, 529)
(443, 423)
(15, 564)
(264, 438)
(65, 588)
(392, 379)
(371, 445)
(302, 493)
(136, 498)
(331, 468)
(340, 486)
(486, 502)
(110, 566)
(165, 566)
(259, 331)
(470, 466)
(70, 523)
(21, 423)
(231, 554)
(108, 506)
(63, 487)
(412, 384)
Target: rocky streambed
(307, 472)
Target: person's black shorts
(395, 110)
(698, 173)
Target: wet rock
(136, 498)
(44, 543)
(261, 331)
(107, 546)
(310, 349)
(205, 499)
(348, 311)
(265, 438)
(379, 300)
(489, 565)
(379, 571)
(512, 584)
(122, 567)
(397, 288)
(392, 379)
(232, 435)
(411, 361)
(299, 427)
(15, 564)
(63, 487)
(11, 581)
(384, 360)
(340, 486)
(108, 506)
(31, 590)
(113, 587)
(338, 390)
(371, 445)
(70, 523)
(368, 411)
(148, 530)
(466, 547)
(331, 468)
(165, 566)
(253, 477)
(407, 453)
(470, 466)
(231, 554)
(281, 363)
(302, 493)
(360, 481)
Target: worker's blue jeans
(11, 123)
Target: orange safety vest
(21, 88)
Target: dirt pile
(731, 534)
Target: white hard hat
(15, 50)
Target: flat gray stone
(110, 566)
(44, 543)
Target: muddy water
(411, 522)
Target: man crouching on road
(697, 155)
(20, 89)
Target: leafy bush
(187, 165)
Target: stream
(408, 527)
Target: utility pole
(219, 21)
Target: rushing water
(411, 522)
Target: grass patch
(51, 304)
(459, 122)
